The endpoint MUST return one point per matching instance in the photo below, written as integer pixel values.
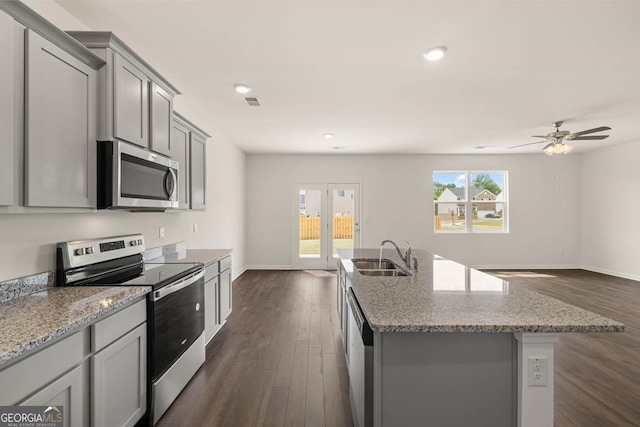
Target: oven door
(134, 178)
(178, 320)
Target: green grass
(481, 224)
(312, 247)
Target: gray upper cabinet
(161, 120)
(60, 137)
(198, 173)
(135, 101)
(131, 103)
(188, 147)
(6, 108)
(180, 152)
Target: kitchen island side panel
(445, 379)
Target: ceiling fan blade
(584, 132)
(590, 138)
(538, 136)
(531, 143)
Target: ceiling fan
(557, 140)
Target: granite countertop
(445, 296)
(31, 321)
(205, 256)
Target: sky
(457, 178)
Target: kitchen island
(451, 346)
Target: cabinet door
(131, 103)
(198, 172)
(225, 294)
(60, 127)
(6, 108)
(161, 120)
(66, 392)
(211, 322)
(119, 372)
(180, 153)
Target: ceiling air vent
(252, 101)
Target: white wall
(397, 203)
(27, 241)
(611, 238)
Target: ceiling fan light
(567, 148)
(548, 149)
(558, 148)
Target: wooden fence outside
(310, 227)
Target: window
(340, 193)
(470, 201)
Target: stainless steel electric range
(175, 307)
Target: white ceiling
(355, 69)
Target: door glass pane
(310, 205)
(343, 220)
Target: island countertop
(446, 296)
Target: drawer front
(31, 374)
(113, 327)
(211, 271)
(225, 263)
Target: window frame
(469, 202)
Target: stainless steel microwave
(130, 177)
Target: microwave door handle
(170, 183)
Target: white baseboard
(268, 267)
(611, 272)
(239, 274)
(526, 267)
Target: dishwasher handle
(363, 325)
(177, 285)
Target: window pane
(309, 224)
(449, 186)
(486, 185)
(343, 208)
(487, 217)
(450, 217)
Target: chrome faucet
(406, 257)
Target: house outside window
(482, 194)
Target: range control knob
(79, 251)
(88, 250)
(133, 242)
(139, 241)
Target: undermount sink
(373, 267)
(383, 273)
(373, 264)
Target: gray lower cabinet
(118, 375)
(161, 120)
(226, 298)
(211, 310)
(7, 82)
(198, 174)
(66, 392)
(218, 296)
(60, 137)
(97, 374)
(180, 153)
(130, 103)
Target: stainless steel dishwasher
(360, 362)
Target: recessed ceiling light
(482, 147)
(328, 135)
(242, 88)
(435, 53)
(339, 148)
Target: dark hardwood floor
(279, 358)
(597, 376)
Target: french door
(326, 218)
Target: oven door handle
(176, 286)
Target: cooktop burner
(159, 275)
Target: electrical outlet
(537, 371)
(161, 232)
(195, 228)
